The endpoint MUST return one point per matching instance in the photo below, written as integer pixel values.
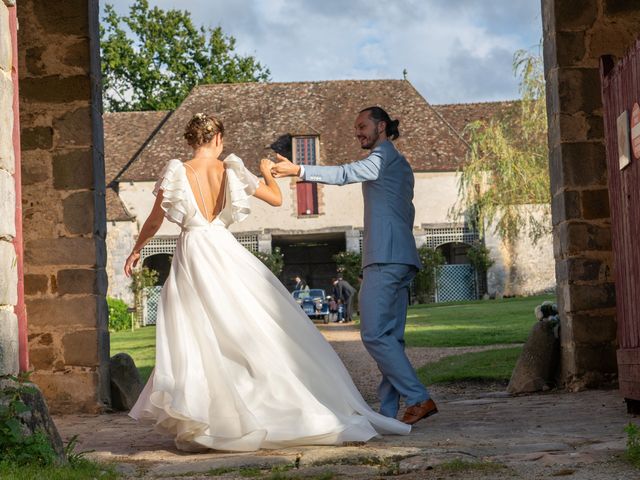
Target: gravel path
(345, 340)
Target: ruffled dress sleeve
(173, 183)
(241, 185)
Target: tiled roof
(261, 117)
(459, 115)
(124, 134)
(116, 211)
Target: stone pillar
(352, 240)
(576, 34)
(8, 262)
(64, 202)
(265, 242)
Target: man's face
(367, 130)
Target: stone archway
(63, 191)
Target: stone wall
(8, 262)
(576, 34)
(121, 237)
(63, 200)
(525, 268)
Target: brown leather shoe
(417, 412)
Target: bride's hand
(131, 262)
(265, 167)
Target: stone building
(312, 122)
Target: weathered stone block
(81, 348)
(55, 88)
(599, 358)
(70, 17)
(595, 203)
(36, 339)
(78, 212)
(74, 128)
(8, 274)
(36, 138)
(7, 159)
(73, 311)
(71, 391)
(35, 284)
(61, 251)
(575, 90)
(42, 357)
(580, 298)
(73, 169)
(623, 7)
(77, 281)
(584, 164)
(575, 14)
(77, 54)
(35, 63)
(573, 238)
(35, 166)
(571, 47)
(582, 269)
(612, 41)
(7, 205)
(8, 343)
(592, 329)
(6, 51)
(565, 206)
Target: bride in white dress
(239, 366)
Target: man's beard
(369, 145)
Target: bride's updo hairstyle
(201, 129)
(379, 115)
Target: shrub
(425, 280)
(119, 318)
(274, 261)
(15, 445)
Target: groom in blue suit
(390, 259)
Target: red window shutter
(307, 194)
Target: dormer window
(305, 152)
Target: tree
(151, 58)
(506, 178)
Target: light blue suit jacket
(387, 187)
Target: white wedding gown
(239, 366)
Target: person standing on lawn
(390, 258)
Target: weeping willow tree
(505, 181)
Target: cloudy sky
(453, 50)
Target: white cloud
(454, 50)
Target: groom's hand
(284, 167)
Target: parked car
(314, 303)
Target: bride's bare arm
(151, 226)
(268, 191)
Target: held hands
(284, 167)
(266, 166)
(131, 262)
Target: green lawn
(140, 344)
(486, 322)
(494, 365)
(483, 322)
